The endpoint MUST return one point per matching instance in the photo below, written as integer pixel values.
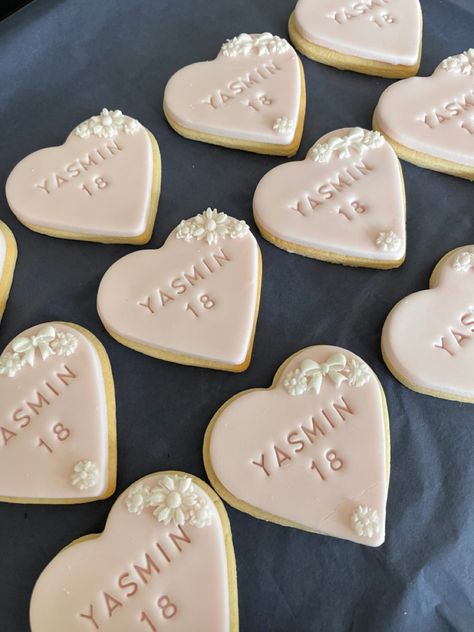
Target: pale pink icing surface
(31, 470)
(440, 316)
(221, 333)
(194, 579)
(223, 81)
(427, 114)
(120, 209)
(339, 191)
(254, 423)
(381, 30)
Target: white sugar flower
(460, 64)
(107, 125)
(173, 499)
(200, 515)
(85, 474)
(240, 45)
(373, 140)
(265, 43)
(296, 382)
(83, 130)
(64, 344)
(11, 363)
(210, 225)
(283, 125)
(108, 122)
(358, 373)
(137, 498)
(320, 152)
(185, 230)
(388, 241)
(463, 261)
(130, 125)
(365, 521)
(238, 229)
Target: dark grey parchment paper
(61, 61)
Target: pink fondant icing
(248, 93)
(258, 421)
(32, 404)
(432, 115)
(380, 30)
(340, 206)
(194, 579)
(440, 316)
(176, 319)
(120, 209)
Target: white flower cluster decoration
(460, 64)
(11, 363)
(464, 261)
(264, 44)
(388, 241)
(310, 374)
(283, 125)
(365, 521)
(85, 474)
(107, 125)
(47, 342)
(211, 225)
(173, 499)
(64, 344)
(357, 141)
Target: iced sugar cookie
(193, 301)
(165, 561)
(427, 339)
(8, 255)
(102, 184)
(375, 37)
(430, 120)
(311, 452)
(57, 417)
(251, 97)
(344, 203)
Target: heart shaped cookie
(102, 185)
(427, 339)
(57, 417)
(165, 560)
(344, 203)
(251, 97)
(430, 120)
(375, 37)
(8, 255)
(311, 452)
(194, 301)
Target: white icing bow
(358, 140)
(332, 368)
(27, 345)
(310, 374)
